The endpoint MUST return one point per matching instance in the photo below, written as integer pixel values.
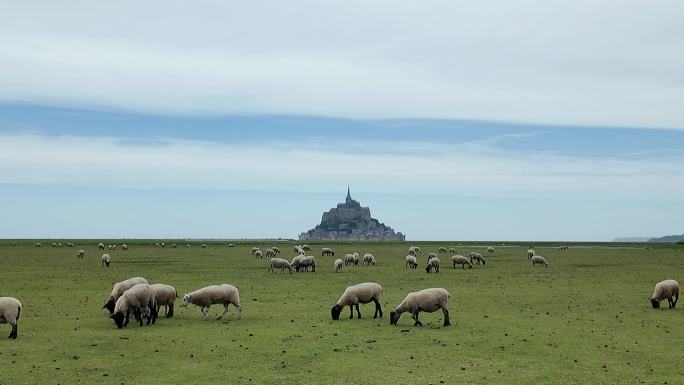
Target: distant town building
(351, 221)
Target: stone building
(351, 221)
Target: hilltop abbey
(350, 221)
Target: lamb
(362, 293)
(10, 311)
(306, 261)
(224, 294)
(80, 254)
(491, 250)
(138, 300)
(124, 247)
(474, 256)
(165, 295)
(105, 260)
(430, 256)
(666, 289)
(270, 253)
(100, 246)
(326, 251)
(427, 300)
(539, 260)
(338, 265)
(433, 263)
(461, 260)
(530, 253)
(279, 263)
(118, 289)
(442, 250)
(258, 254)
(411, 261)
(368, 259)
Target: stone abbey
(351, 221)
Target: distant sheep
(38, 244)
(277, 250)
(530, 253)
(668, 289)
(80, 254)
(368, 259)
(491, 250)
(427, 300)
(307, 248)
(254, 250)
(562, 248)
(539, 260)
(307, 261)
(231, 245)
(224, 294)
(411, 261)
(53, 244)
(279, 263)
(326, 251)
(173, 245)
(258, 254)
(412, 251)
(352, 296)
(105, 260)
(477, 257)
(442, 250)
(10, 312)
(349, 259)
(203, 246)
(452, 250)
(100, 246)
(433, 264)
(461, 260)
(337, 265)
(124, 247)
(431, 255)
(270, 253)
(70, 244)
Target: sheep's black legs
(378, 309)
(415, 318)
(351, 311)
(225, 310)
(358, 313)
(169, 311)
(13, 333)
(446, 317)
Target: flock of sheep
(137, 297)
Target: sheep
(162, 245)
(530, 254)
(307, 248)
(10, 311)
(296, 248)
(100, 246)
(562, 248)
(156, 244)
(417, 249)
(70, 244)
(187, 245)
(325, 251)
(203, 246)
(491, 250)
(338, 265)
(118, 289)
(224, 294)
(452, 250)
(173, 245)
(411, 261)
(461, 260)
(105, 260)
(279, 263)
(53, 244)
(124, 247)
(254, 250)
(349, 259)
(412, 251)
(300, 251)
(80, 254)
(258, 254)
(59, 244)
(362, 293)
(368, 259)
(477, 257)
(165, 295)
(666, 289)
(433, 263)
(109, 247)
(356, 258)
(539, 260)
(231, 245)
(295, 262)
(430, 256)
(270, 253)
(138, 300)
(306, 261)
(38, 244)
(427, 300)
(442, 250)
(275, 249)
(113, 247)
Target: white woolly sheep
(231, 245)
(666, 289)
(173, 245)
(562, 248)
(10, 311)
(124, 247)
(277, 250)
(539, 260)
(338, 265)
(368, 259)
(270, 253)
(326, 251)
(461, 260)
(101, 246)
(350, 260)
(452, 250)
(411, 261)
(70, 244)
(187, 245)
(279, 263)
(433, 264)
(80, 254)
(295, 262)
(258, 254)
(53, 244)
(118, 289)
(203, 246)
(431, 255)
(105, 260)
(254, 250)
(139, 300)
(412, 251)
(163, 245)
(491, 250)
(306, 247)
(165, 295)
(530, 253)
(306, 261)
(427, 300)
(38, 244)
(362, 293)
(59, 244)
(224, 294)
(442, 250)
(416, 249)
(477, 257)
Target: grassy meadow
(585, 319)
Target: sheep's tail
(177, 294)
(18, 313)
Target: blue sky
(505, 120)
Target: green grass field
(584, 320)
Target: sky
(458, 120)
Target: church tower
(349, 198)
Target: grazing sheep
(53, 244)
(165, 295)
(173, 245)
(203, 246)
(100, 246)
(124, 247)
(433, 264)
(530, 253)
(118, 289)
(442, 250)
(113, 247)
(80, 254)
(338, 265)
(270, 253)
(666, 289)
(362, 293)
(70, 244)
(163, 245)
(279, 263)
(306, 261)
(59, 244)
(109, 247)
(258, 254)
(562, 248)
(38, 244)
(452, 250)
(412, 251)
(300, 251)
(539, 260)
(461, 260)
(431, 255)
(224, 294)
(368, 259)
(477, 257)
(411, 261)
(295, 262)
(491, 250)
(156, 244)
(349, 259)
(427, 300)
(296, 248)
(326, 251)
(105, 260)
(187, 245)
(138, 300)
(254, 250)
(307, 248)
(231, 245)
(356, 258)
(277, 250)
(10, 311)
